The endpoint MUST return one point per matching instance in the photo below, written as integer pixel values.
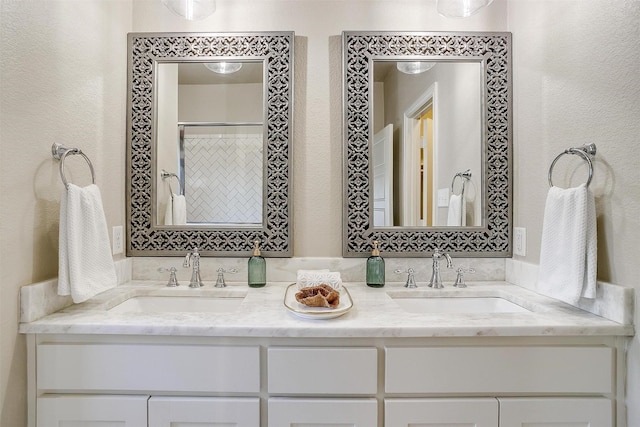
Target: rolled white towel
(306, 278)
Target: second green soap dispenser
(375, 268)
(257, 268)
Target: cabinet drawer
(499, 370)
(323, 370)
(148, 368)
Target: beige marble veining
(374, 314)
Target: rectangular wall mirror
(209, 143)
(427, 137)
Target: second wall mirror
(209, 143)
(427, 137)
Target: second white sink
(176, 304)
(459, 305)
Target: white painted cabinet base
(556, 412)
(92, 411)
(204, 411)
(289, 412)
(480, 412)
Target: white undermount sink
(177, 304)
(458, 305)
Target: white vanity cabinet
(169, 381)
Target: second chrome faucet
(193, 258)
(436, 280)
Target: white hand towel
(306, 278)
(457, 212)
(85, 264)
(568, 254)
(176, 213)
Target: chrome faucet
(193, 258)
(436, 280)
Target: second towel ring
(586, 152)
(60, 152)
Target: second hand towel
(568, 253)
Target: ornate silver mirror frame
(275, 49)
(493, 50)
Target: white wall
(318, 25)
(576, 79)
(62, 79)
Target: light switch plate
(443, 197)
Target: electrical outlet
(519, 241)
(118, 240)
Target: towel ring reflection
(60, 152)
(464, 176)
(586, 152)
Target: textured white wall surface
(576, 68)
(63, 78)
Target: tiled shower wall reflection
(223, 178)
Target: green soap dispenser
(375, 268)
(257, 268)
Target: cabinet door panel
(286, 412)
(480, 412)
(204, 412)
(556, 412)
(92, 411)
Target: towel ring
(586, 152)
(60, 152)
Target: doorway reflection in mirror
(427, 126)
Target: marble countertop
(375, 313)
